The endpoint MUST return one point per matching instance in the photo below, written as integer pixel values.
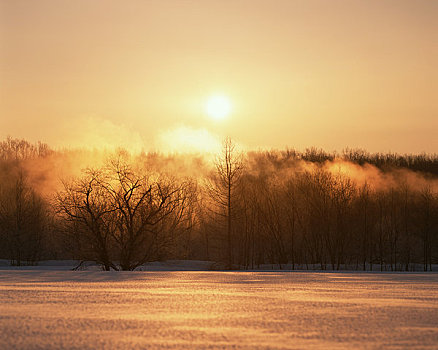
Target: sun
(218, 107)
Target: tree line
(291, 209)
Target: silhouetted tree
(122, 218)
(86, 211)
(23, 221)
(222, 187)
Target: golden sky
(138, 73)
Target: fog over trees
(287, 208)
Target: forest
(293, 209)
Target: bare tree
(363, 220)
(222, 187)
(424, 217)
(124, 217)
(85, 210)
(19, 149)
(23, 221)
(149, 212)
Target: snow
(55, 309)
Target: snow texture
(52, 309)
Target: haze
(137, 74)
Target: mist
(309, 201)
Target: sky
(138, 74)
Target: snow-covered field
(49, 309)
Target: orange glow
(330, 74)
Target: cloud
(93, 132)
(184, 139)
